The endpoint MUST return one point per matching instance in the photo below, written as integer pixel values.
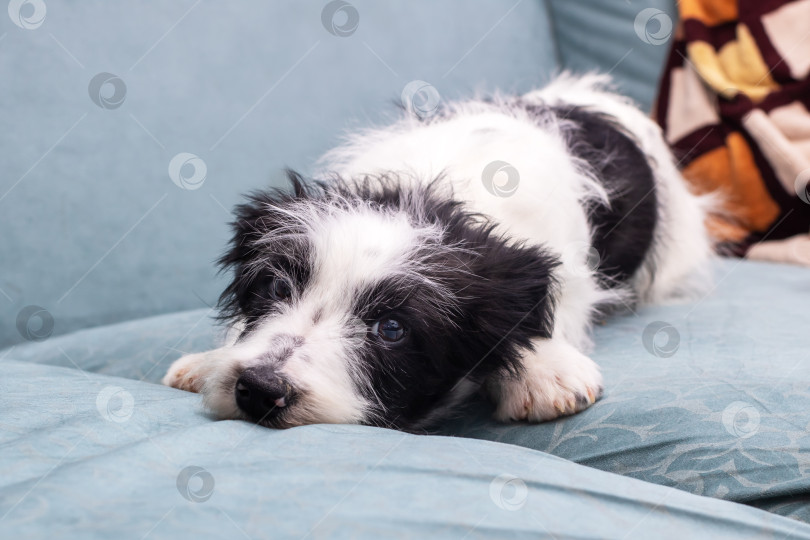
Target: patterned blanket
(734, 104)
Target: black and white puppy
(444, 255)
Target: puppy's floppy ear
(254, 220)
(260, 216)
(511, 294)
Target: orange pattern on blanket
(733, 103)
(731, 173)
(709, 12)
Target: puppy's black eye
(280, 289)
(390, 330)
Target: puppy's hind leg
(556, 380)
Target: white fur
(557, 380)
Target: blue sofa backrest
(130, 129)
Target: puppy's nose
(262, 393)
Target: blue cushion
(710, 397)
(90, 456)
(142, 349)
(721, 410)
(101, 233)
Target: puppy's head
(378, 302)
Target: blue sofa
(131, 129)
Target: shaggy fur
(411, 274)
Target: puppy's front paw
(557, 380)
(186, 373)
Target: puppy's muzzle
(262, 393)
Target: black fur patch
(622, 232)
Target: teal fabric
(90, 456)
(629, 40)
(94, 229)
(725, 414)
(98, 234)
(142, 349)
